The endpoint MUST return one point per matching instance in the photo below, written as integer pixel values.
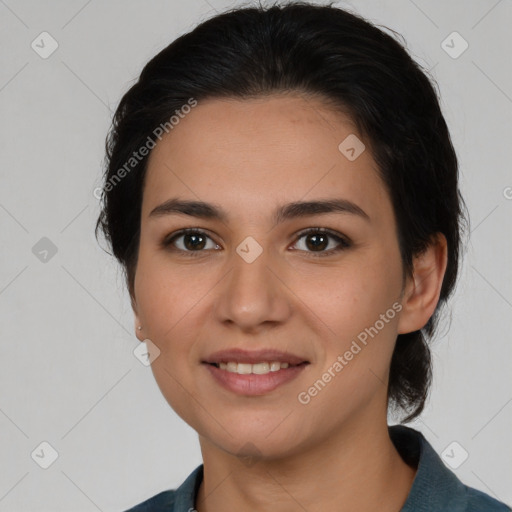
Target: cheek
(169, 300)
(360, 305)
(168, 295)
(352, 296)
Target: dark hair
(354, 67)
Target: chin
(255, 443)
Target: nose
(253, 294)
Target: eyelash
(344, 243)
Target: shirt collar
(186, 493)
(435, 487)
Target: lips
(254, 384)
(254, 357)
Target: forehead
(260, 151)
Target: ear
(422, 290)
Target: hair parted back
(351, 65)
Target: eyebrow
(285, 212)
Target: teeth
(231, 367)
(247, 368)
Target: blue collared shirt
(435, 487)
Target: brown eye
(317, 240)
(192, 241)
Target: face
(319, 286)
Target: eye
(194, 241)
(318, 239)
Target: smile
(253, 379)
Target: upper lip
(253, 356)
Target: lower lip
(253, 384)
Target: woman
(282, 193)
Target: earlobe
(423, 289)
(138, 326)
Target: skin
(271, 451)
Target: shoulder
(435, 487)
(480, 502)
(163, 501)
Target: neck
(356, 469)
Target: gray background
(67, 372)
